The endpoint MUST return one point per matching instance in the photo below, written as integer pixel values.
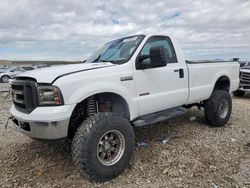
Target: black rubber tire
(2, 80)
(239, 93)
(84, 146)
(212, 107)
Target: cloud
(72, 30)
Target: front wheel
(103, 146)
(218, 108)
(5, 78)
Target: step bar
(159, 116)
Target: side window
(159, 41)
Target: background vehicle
(244, 81)
(13, 71)
(133, 81)
(3, 69)
(42, 66)
(244, 63)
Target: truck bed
(204, 74)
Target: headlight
(49, 96)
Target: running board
(159, 116)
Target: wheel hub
(224, 109)
(110, 147)
(5, 79)
(107, 146)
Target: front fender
(88, 90)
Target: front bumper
(43, 130)
(49, 123)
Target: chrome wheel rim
(224, 109)
(5, 79)
(110, 147)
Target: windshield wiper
(97, 59)
(101, 60)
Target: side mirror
(158, 56)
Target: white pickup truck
(132, 81)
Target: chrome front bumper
(43, 130)
(49, 123)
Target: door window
(159, 41)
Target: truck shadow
(159, 131)
(246, 96)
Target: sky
(73, 29)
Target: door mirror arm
(143, 57)
(140, 65)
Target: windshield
(117, 51)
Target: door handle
(181, 72)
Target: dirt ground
(201, 156)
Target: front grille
(245, 80)
(24, 95)
(18, 95)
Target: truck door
(164, 87)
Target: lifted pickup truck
(244, 81)
(132, 81)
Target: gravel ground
(201, 156)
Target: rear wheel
(5, 78)
(218, 108)
(103, 146)
(239, 93)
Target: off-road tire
(85, 142)
(4, 76)
(239, 93)
(212, 108)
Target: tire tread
(81, 147)
(212, 105)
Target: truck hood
(48, 75)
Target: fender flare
(88, 90)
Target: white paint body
(166, 90)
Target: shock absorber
(91, 106)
